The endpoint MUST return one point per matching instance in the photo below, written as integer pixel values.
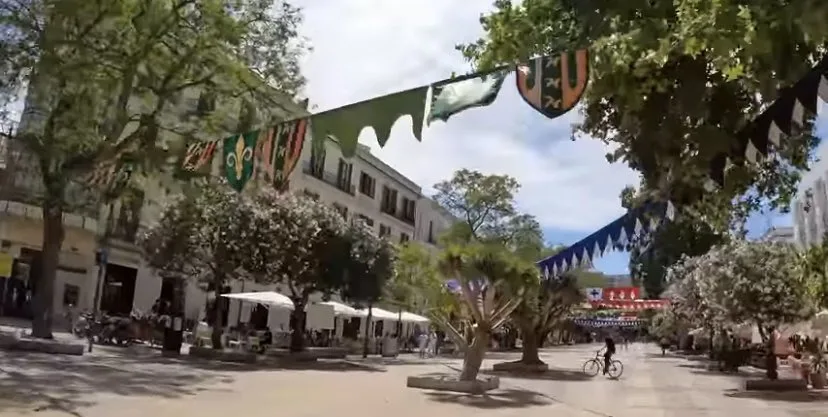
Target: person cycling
(609, 346)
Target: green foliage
(110, 83)
(370, 267)
(814, 265)
(671, 84)
(304, 244)
(741, 282)
(416, 283)
(206, 235)
(485, 206)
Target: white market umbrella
(344, 310)
(413, 318)
(820, 322)
(267, 298)
(378, 314)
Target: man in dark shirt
(609, 345)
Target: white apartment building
(810, 208)
(361, 186)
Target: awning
(343, 309)
(413, 318)
(268, 298)
(378, 314)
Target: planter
(51, 346)
(223, 355)
(520, 367)
(818, 380)
(776, 385)
(451, 383)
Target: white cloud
(365, 48)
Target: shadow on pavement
(668, 355)
(789, 396)
(550, 375)
(506, 398)
(50, 382)
(38, 382)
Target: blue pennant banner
(640, 220)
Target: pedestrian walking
(422, 344)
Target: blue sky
(368, 48)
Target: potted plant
(818, 366)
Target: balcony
(328, 178)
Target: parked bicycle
(596, 365)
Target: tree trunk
(44, 283)
(218, 312)
(297, 326)
(474, 355)
(770, 359)
(531, 344)
(367, 332)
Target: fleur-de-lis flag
(238, 159)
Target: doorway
(118, 291)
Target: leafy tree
(485, 206)
(305, 245)
(671, 84)
(489, 280)
(814, 264)
(753, 282)
(102, 77)
(546, 304)
(206, 235)
(370, 266)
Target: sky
(368, 48)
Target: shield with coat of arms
(554, 84)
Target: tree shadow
(668, 355)
(33, 381)
(506, 398)
(548, 375)
(400, 361)
(54, 382)
(782, 396)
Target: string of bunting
(552, 85)
(784, 116)
(643, 219)
(607, 323)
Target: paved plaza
(109, 383)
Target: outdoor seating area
(329, 324)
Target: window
(311, 194)
(343, 175)
(409, 209)
(430, 232)
(367, 184)
(367, 220)
(341, 210)
(384, 231)
(404, 238)
(71, 294)
(389, 201)
(317, 162)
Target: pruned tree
(102, 79)
(546, 305)
(206, 235)
(305, 246)
(489, 281)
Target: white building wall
(810, 208)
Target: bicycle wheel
(592, 367)
(616, 369)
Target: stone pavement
(109, 383)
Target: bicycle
(595, 365)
